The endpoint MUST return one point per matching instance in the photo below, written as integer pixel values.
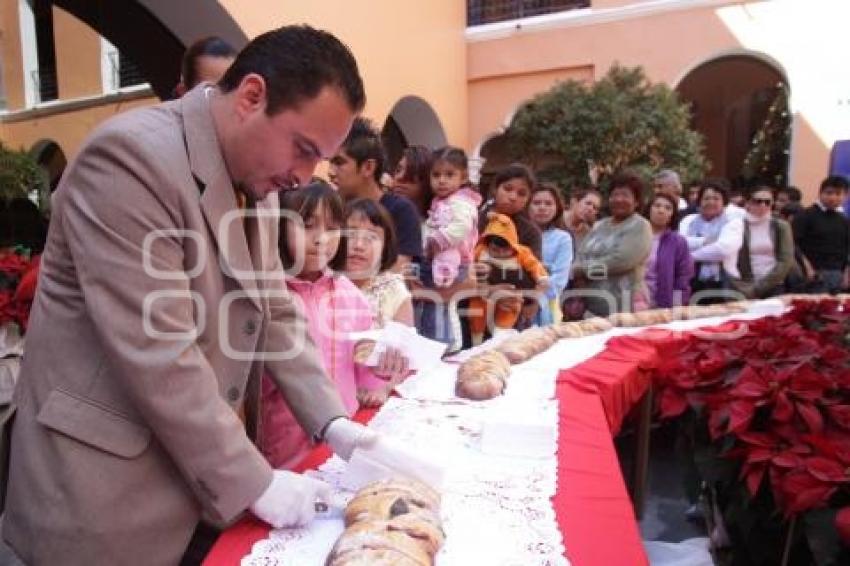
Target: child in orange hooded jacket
(508, 262)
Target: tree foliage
(621, 121)
(20, 174)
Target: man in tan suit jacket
(158, 308)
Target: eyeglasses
(764, 201)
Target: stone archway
(412, 121)
(50, 156)
(154, 33)
(740, 104)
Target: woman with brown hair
(547, 211)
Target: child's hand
(543, 283)
(392, 366)
(373, 397)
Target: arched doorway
(411, 121)
(50, 156)
(493, 154)
(740, 104)
(154, 33)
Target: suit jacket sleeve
(113, 199)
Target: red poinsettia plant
(17, 286)
(777, 397)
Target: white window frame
(29, 53)
(109, 67)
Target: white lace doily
(496, 510)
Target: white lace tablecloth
(496, 510)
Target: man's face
(346, 175)
(782, 199)
(272, 153)
(832, 197)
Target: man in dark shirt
(356, 170)
(822, 234)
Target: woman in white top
(714, 238)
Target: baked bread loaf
(568, 330)
(390, 522)
(483, 376)
(594, 325)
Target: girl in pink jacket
(450, 232)
(312, 248)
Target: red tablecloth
(591, 504)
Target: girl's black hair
(378, 216)
(304, 202)
(454, 156)
(513, 171)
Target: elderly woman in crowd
(767, 251)
(611, 258)
(714, 237)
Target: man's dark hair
(718, 185)
(454, 156)
(297, 62)
(511, 172)
(363, 143)
(211, 46)
(835, 182)
(794, 194)
(628, 180)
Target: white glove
(290, 500)
(344, 435)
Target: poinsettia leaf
(787, 459)
(840, 415)
(757, 438)
(717, 422)
(811, 415)
(811, 498)
(740, 415)
(826, 470)
(672, 403)
(783, 411)
(754, 478)
(759, 455)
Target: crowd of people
(471, 261)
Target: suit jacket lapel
(218, 199)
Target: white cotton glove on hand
(290, 500)
(344, 435)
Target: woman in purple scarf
(669, 267)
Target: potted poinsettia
(767, 416)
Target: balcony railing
(489, 11)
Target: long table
(593, 509)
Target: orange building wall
(402, 48)
(10, 37)
(78, 61)
(68, 129)
(493, 100)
